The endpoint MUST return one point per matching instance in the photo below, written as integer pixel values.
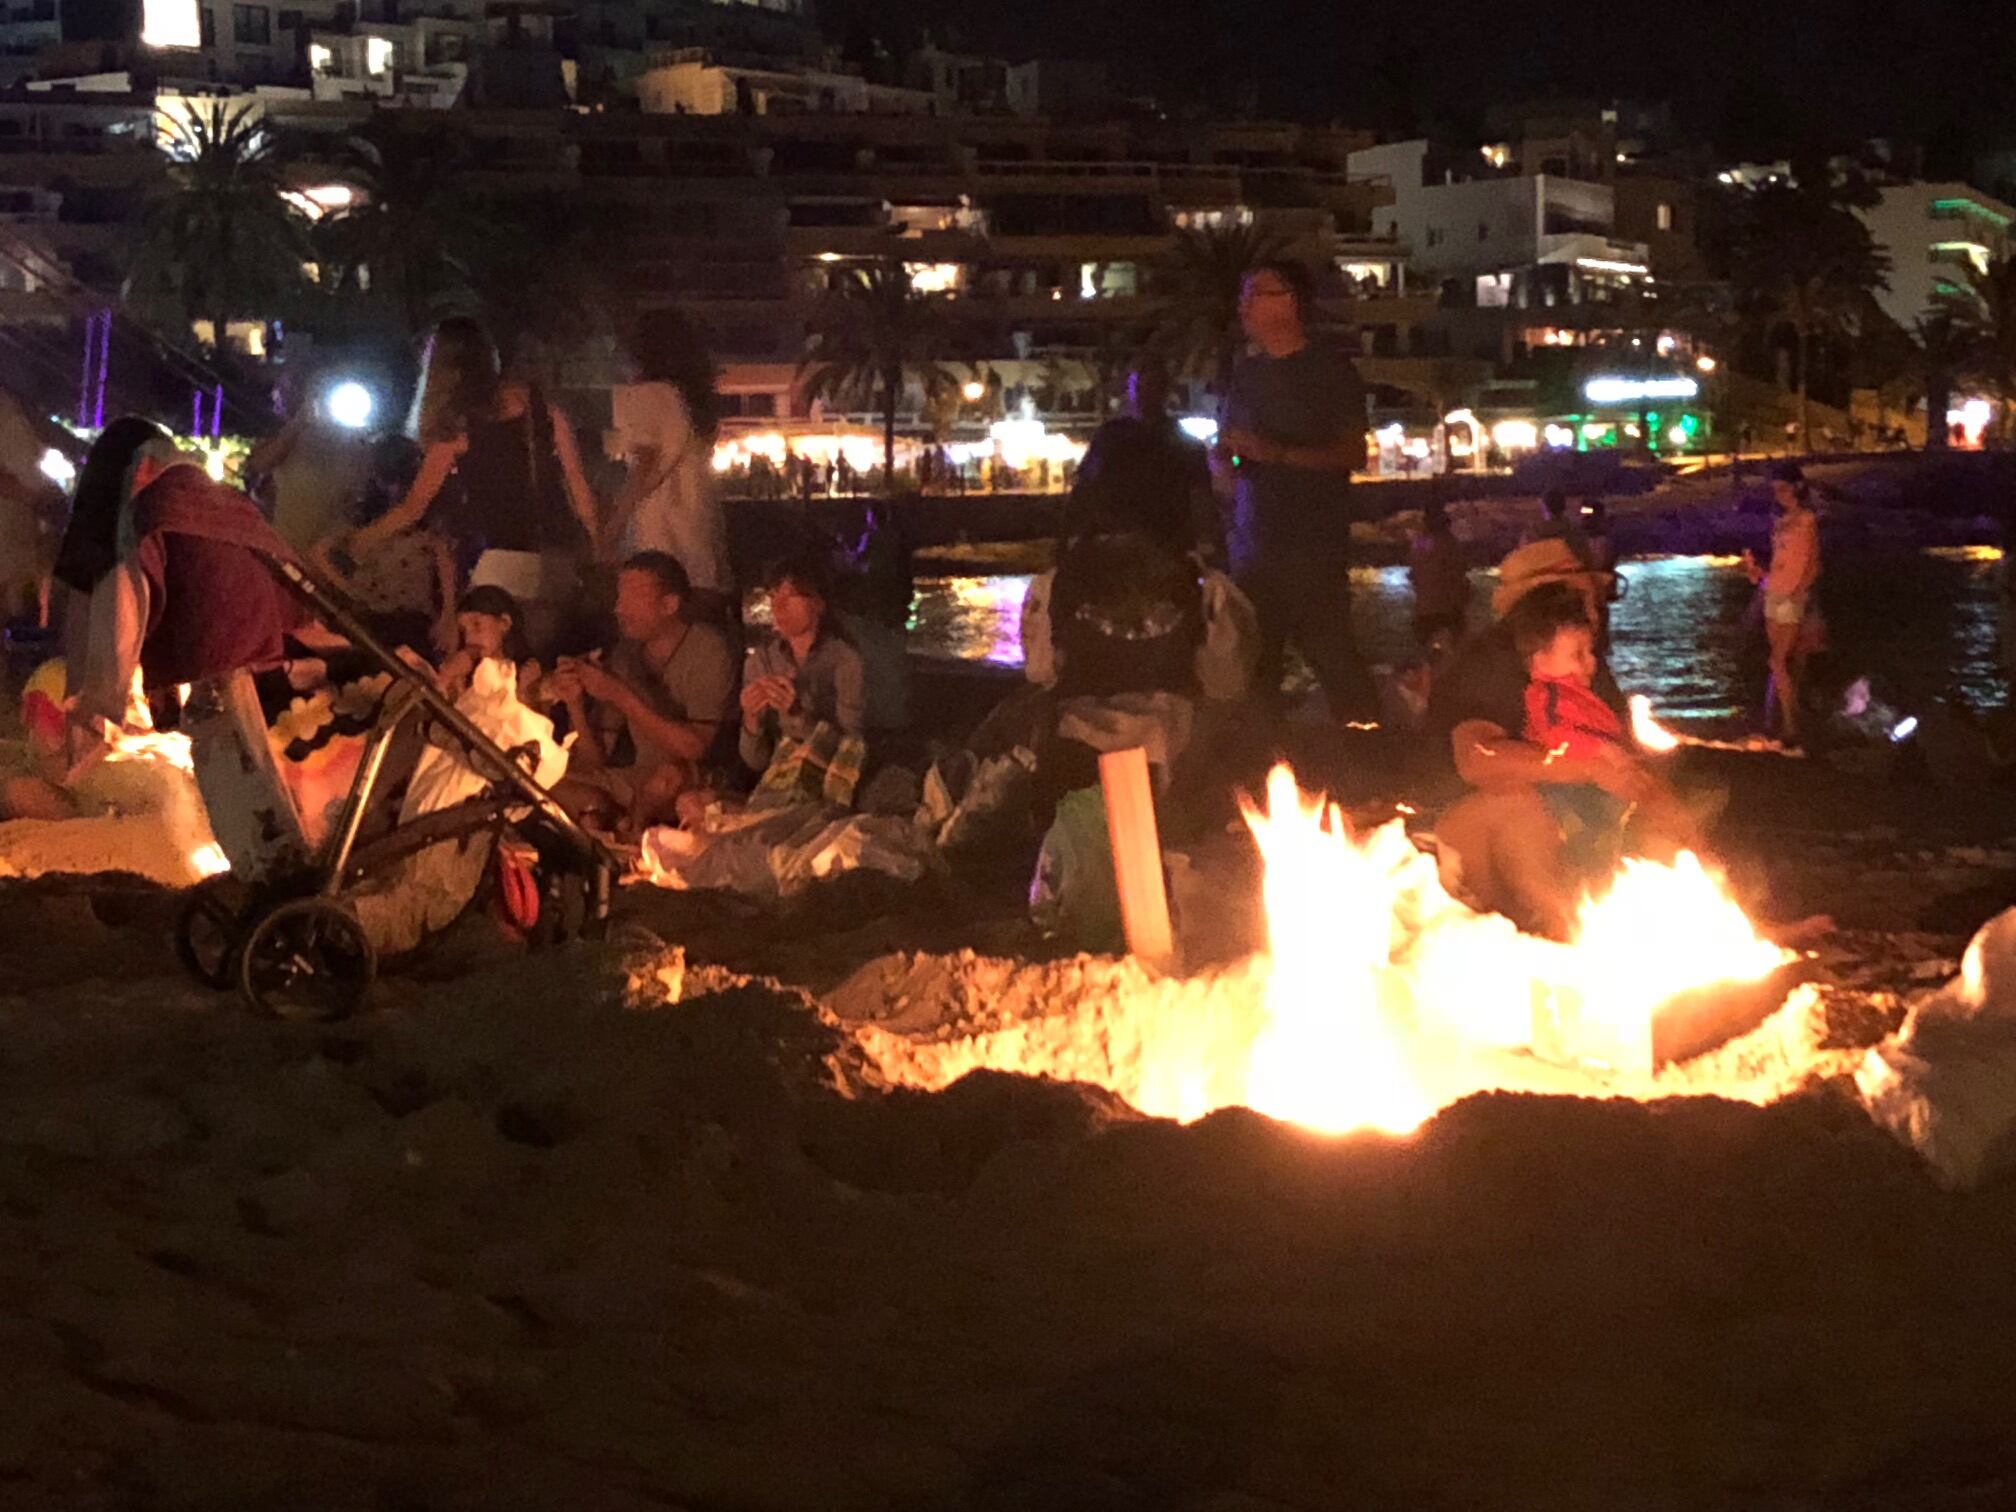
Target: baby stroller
(297, 947)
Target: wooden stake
(1137, 855)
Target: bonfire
(1381, 999)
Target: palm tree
(1198, 321)
(405, 244)
(220, 238)
(871, 337)
(1945, 349)
(1985, 314)
(1805, 262)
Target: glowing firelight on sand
(1382, 999)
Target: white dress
(679, 513)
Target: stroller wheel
(308, 959)
(209, 929)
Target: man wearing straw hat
(1500, 845)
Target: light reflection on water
(1921, 625)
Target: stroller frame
(292, 946)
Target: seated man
(657, 712)
(806, 674)
(1503, 845)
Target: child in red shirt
(1565, 716)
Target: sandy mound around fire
(516, 1242)
(1179, 1047)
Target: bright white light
(320, 59)
(1199, 428)
(1629, 390)
(1705, 364)
(829, 257)
(57, 468)
(350, 404)
(1391, 435)
(973, 391)
(1560, 436)
(1517, 435)
(378, 55)
(170, 23)
(1904, 729)
(1678, 435)
(1611, 265)
(1976, 413)
(933, 278)
(1460, 417)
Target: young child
(488, 624)
(1566, 717)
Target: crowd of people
(1184, 576)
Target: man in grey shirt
(661, 704)
(1292, 428)
(805, 675)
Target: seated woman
(806, 673)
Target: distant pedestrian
(1293, 428)
(1441, 579)
(1792, 624)
(1557, 524)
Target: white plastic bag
(442, 778)
(1946, 1086)
(1229, 658)
(1039, 646)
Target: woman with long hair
(502, 466)
(665, 428)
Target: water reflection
(1921, 625)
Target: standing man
(1292, 429)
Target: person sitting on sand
(806, 674)
(1501, 845)
(657, 712)
(489, 626)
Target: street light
(350, 404)
(973, 391)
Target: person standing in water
(1792, 625)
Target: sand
(523, 1238)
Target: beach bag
(824, 767)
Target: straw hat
(1547, 561)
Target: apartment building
(1933, 235)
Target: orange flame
(1648, 732)
(1381, 998)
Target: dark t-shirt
(1309, 398)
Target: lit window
(377, 55)
(320, 59)
(1665, 216)
(933, 278)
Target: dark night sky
(1819, 71)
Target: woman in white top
(664, 430)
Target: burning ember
(1382, 999)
